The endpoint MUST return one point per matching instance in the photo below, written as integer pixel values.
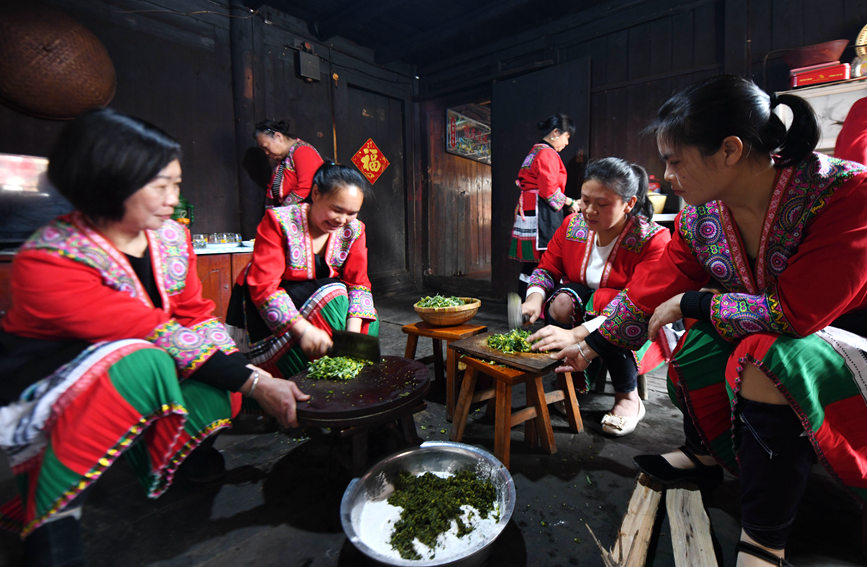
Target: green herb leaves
(439, 301)
(430, 504)
(335, 368)
(511, 342)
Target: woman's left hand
(665, 313)
(575, 207)
(573, 359)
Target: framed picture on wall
(467, 138)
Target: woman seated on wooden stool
(109, 347)
(778, 354)
(588, 261)
(308, 276)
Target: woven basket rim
(469, 303)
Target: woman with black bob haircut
(97, 170)
(308, 276)
(591, 257)
(295, 162)
(542, 182)
(109, 348)
(771, 350)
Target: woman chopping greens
(770, 374)
(590, 259)
(109, 348)
(307, 277)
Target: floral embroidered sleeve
(818, 283)
(550, 178)
(354, 275)
(551, 268)
(654, 281)
(265, 274)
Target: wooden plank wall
(207, 71)
(173, 70)
(458, 205)
(641, 53)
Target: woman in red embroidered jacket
(308, 276)
(770, 374)
(109, 347)
(542, 182)
(296, 162)
(588, 262)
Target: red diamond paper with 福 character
(370, 160)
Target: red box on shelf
(818, 74)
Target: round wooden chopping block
(51, 66)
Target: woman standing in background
(542, 181)
(296, 163)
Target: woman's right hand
(314, 341)
(533, 307)
(277, 397)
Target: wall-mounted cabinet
(831, 103)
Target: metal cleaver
(513, 305)
(355, 345)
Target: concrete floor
(279, 504)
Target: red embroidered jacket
(296, 173)
(284, 251)
(69, 282)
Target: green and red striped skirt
(823, 376)
(324, 303)
(118, 398)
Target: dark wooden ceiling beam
(340, 23)
(421, 43)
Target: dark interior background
(207, 70)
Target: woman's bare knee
(561, 308)
(756, 386)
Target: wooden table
(392, 390)
(438, 335)
(507, 371)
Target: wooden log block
(690, 529)
(630, 549)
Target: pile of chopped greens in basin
(439, 301)
(430, 503)
(511, 342)
(335, 368)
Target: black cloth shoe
(204, 465)
(660, 470)
(764, 554)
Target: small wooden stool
(535, 414)
(440, 334)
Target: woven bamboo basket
(448, 316)
(51, 66)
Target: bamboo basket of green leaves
(445, 311)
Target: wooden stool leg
(465, 400)
(502, 421)
(438, 360)
(359, 451)
(407, 428)
(411, 345)
(573, 414)
(536, 397)
(451, 381)
(642, 387)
